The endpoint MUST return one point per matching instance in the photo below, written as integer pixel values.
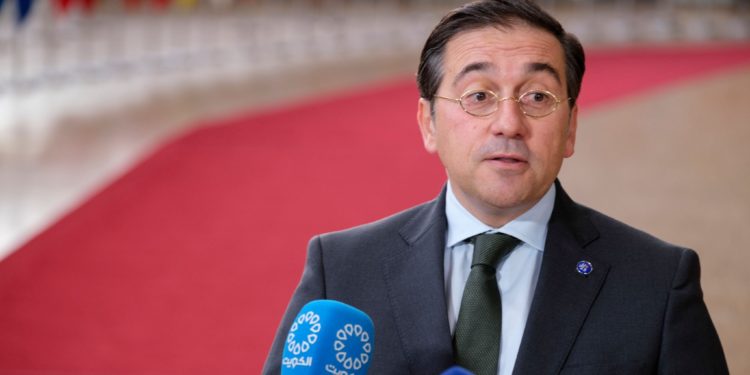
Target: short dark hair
(496, 13)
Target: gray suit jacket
(640, 311)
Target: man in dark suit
(575, 291)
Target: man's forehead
(529, 49)
(528, 68)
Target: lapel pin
(584, 267)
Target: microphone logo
(309, 326)
(360, 346)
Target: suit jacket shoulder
(638, 311)
(398, 227)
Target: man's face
(502, 164)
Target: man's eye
(478, 97)
(538, 97)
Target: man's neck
(492, 216)
(530, 227)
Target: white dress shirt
(517, 272)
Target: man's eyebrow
(473, 67)
(543, 67)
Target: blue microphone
(328, 337)
(457, 370)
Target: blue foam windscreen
(457, 370)
(329, 337)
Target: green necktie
(477, 337)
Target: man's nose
(509, 120)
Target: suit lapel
(563, 297)
(415, 283)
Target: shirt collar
(530, 227)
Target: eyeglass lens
(485, 102)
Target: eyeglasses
(481, 103)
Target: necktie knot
(489, 248)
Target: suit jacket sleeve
(690, 343)
(311, 287)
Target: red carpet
(614, 73)
(185, 264)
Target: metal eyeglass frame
(498, 100)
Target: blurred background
(91, 89)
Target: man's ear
(570, 141)
(426, 125)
